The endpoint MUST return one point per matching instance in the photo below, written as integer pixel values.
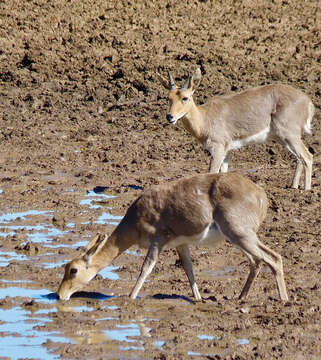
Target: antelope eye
(185, 99)
(73, 271)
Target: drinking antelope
(229, 122)
(202, 210)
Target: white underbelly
(210, 237)
(260, 137)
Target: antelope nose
(169, 117)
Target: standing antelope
(201, 210)
(229, 122)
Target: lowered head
(82, 269)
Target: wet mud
(83, 131)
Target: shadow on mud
(50, 296)
(100, 296)
(91, 295)
(80, 294)
(99, 189)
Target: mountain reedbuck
(202, 210)
(229, 122)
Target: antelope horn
(171, 81)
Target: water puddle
(36, 226)
(207, 337)
(159, 344)
(7, 256)
(19, 339)
(15, 281)
(106, 218)
(95, 199)
(128, 333)
(22, 333)
(128, 336)
(210, 338)
(18, 336)
(193, 353)
(51, 265)
(39, 295)
(108, 273)
(243, 341)
(10, 217)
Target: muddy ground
(82, 107)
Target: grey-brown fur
(202, 210)
(231, 121)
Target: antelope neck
(193, 122)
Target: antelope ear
(95, 249)
(93, 242)
(196, 78)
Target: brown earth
(81, 107)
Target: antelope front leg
(185, 257)
(148, 265)
(224, 166)
(218, 154)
